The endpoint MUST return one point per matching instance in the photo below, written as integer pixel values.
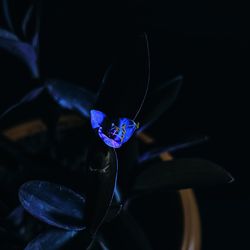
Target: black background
(208, 43)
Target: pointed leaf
(5, 34)
(116, 205)
(126, 81)
(103, 167)
(26, 19)
(27, 98)
(53, 204)
(31, 24)
(16, 216)
(53, 239)
(71, 97)
(104, 80)
(6, 12)
(154, 153)
(159, 101)
(23, 51)
(181, 173)
(102, 244)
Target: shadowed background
(207, 43)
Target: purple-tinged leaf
(159, 101)
(181, 173)
(71, 97)
(53, 204)
(53, 239)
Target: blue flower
(113, 133)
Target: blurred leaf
(102, 244)
(27, 19)
(53, 239)
(3, 208)
(181, 173)
(126, 81)
(156, 152)
(31, 23)
(127, 233)
(27, 98)
(21, 50)
(135, 231)
(159, 101)
(16, 217)
(66, 95)
(71, 97)
(102, 176)
(22, 225)
(53, 204)
(104, 80)
(116, 205)
(6, 13)
(8, 241)
(5, 34)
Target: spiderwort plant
(53, 216)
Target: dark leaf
(116, 205)
(3, 208)
(35, 41)
(154, 153)
(31, 23)
(159, 101)
(5, 34)
(135, 231)
(53, 204)
(26, 19)
(22, 225)
(16, 217)
(71, 97)
(102, 244)
(102, 176)
(53, 239)
(27, 98)
(127, 232)
(104, 80)
(23, 51)
(181, 173)
(8, 242)
(64, 94)
(126, 83)
(6, 12)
